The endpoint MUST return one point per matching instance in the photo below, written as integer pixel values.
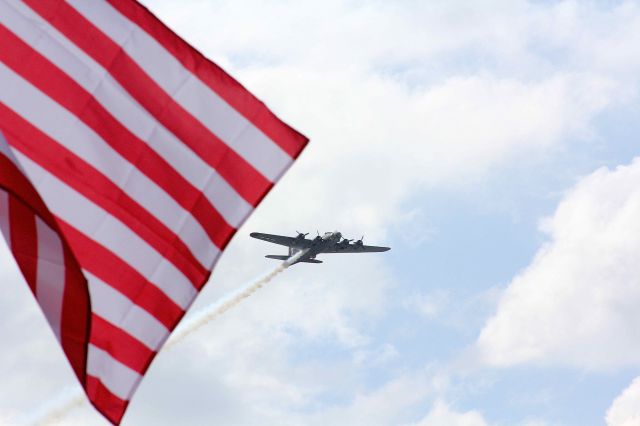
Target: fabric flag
(127, 162)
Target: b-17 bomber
(305, 250)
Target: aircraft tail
(279, 257)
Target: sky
(491, 144)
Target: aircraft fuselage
(318, 244)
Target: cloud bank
(577, 302)
(625, 409)
(441, 414)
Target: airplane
(306, 249)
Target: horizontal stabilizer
(275, 256)
(279, 257)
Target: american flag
(127, 162)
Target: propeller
(300, 234)
(360, 241)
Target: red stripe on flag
(87, 181)
(47, 77)
(247, 181)
(120, 345)
(76, 315)
(118, 274)
(108, 404)
(24, 240)
(291, 141)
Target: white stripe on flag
(116, 308)
(47, 41)
(194, 96)
(6, 151)
(66, 129)
(115, 376)
(4, 217)
(5, 226)
(50, 275)
(109, 232)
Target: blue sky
(491, 145)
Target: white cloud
(377, 356)
(625, 409)
(377, 143)
(441, 414)
(386, 405)
(243, 374)
(576, 303)
(358, 78)
(431, 304)
(512, 36)
(534, 422)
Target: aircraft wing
(282, 240)
(354, 248)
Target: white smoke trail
(211, 312)
(55, 410)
